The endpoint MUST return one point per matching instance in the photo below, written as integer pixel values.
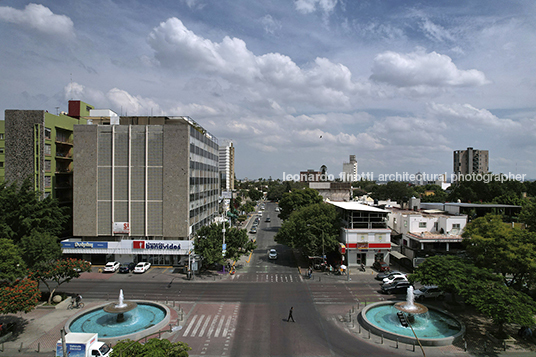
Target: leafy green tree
(153, 348)
(314, 229)
(255, 194)
(510, 252)
(502, 304)
(292, 201)
(22, 211)
(59, 271)
(39, 247)
(209, 239)
(12, 266)
(394, 190)
(528, 215)
(248, 207)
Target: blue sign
(84, 245)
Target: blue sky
(295, 84)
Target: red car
(381, 266)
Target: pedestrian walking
(290, 315)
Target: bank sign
(85, 245)
(150, 244)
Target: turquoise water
(432, 324)
(105, 324)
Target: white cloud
(435, 31)
(270, 24)
(467, 114)
(308, 6)
(419, 68)
(40, 18)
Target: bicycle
(74, 306)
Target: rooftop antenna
(57, 110)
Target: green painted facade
(2, 149)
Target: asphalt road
(247, 315)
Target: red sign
(138, 244)
(380, 245)
(362, 245)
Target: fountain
(121, 320)
(404, 320)
(120, 308)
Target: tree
(39, 247)
(59, 271)
(502, 304)
(314, 229)
(12, 266)
(255, 194)
(510, 252)
(394, 190)
(528, 215)
(21, 295)
(292, 201)
(22, 211)
(209, 239)
(153, 348)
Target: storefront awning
(397, 255)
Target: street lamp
(223, 247)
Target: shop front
(158, 253)
(366, 246)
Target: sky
(295, 84)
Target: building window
(48, 149)
(47, 165)
(422, 224)
(48, 133)
(1, 150)
(456, 226)
(1, 164)
(48, 181)
(1, 136)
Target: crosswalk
(209, 326)
(268, 278)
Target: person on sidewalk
(290, 315)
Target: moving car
(431, 291)
(380, 265)
(272, 254)
(111, 267)
(399, 287)
(267, 219)
(386, 274)
(142, 267)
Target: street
(246, 314)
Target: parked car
(142, 267)
(111, 267)
(394, 279)
(399, 287)
(431, 291)
(380, 265)
(125, 268)
(386, 274)
(253, 230)
(272, 254)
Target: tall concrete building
(471, 161)
(349, 170)
(142, 188)
(227, 166)
(39, 147)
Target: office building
(349, 170)
(226, 166)
(471, 161)
(142, 188)
(39, 147)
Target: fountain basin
(441, 328)
(147, 318)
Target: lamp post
(223, 247)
